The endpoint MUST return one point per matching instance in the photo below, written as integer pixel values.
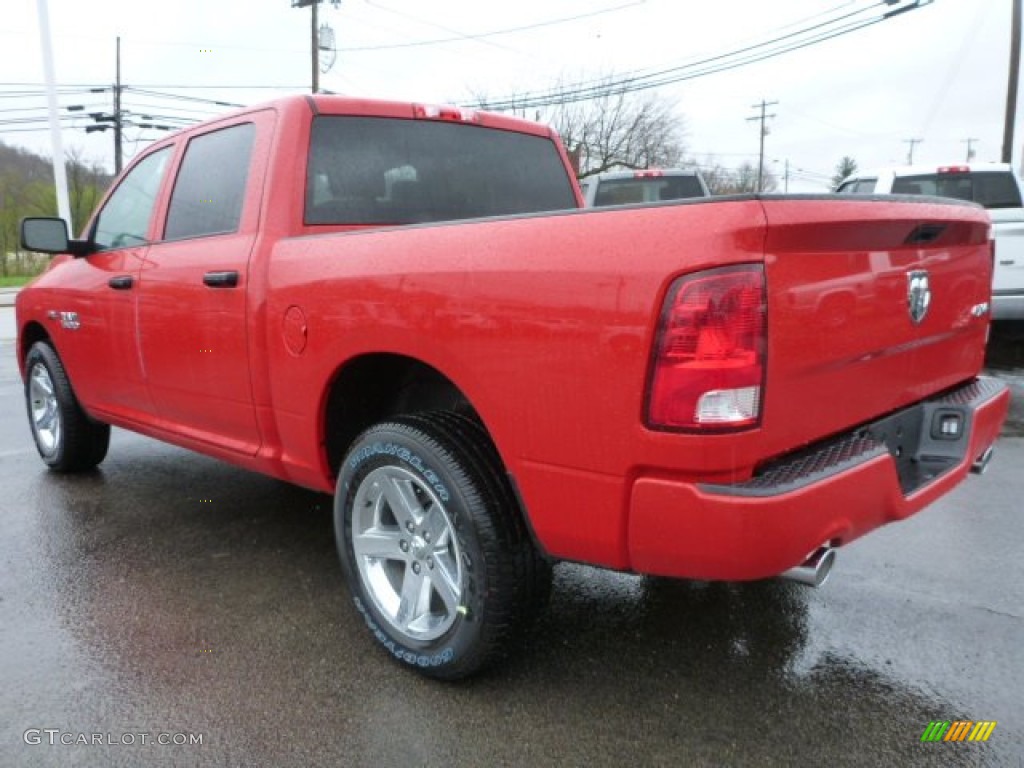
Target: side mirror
(49, 235)
(44, 235)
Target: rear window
(647, 190)
(371, 170)
(859, 187)
(992, 189)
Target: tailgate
(1008, 228)
(872, 305)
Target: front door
(97, 337)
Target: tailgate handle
(121, 282)
(924, 234)
(221, 279)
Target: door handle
(227, 279)
(121, 282)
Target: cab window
(124, 220)
(858, 187)
(992, 189)
(210, 188)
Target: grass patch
(14, 281)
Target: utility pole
(118, 122)
(1011, 85)
(314, 46)
(314, 38)
(762, 117)
(910, 152)
(970, 149)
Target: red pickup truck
(403, 305)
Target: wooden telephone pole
(1011, 85)
(314, 38)
(762, 118)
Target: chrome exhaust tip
(814, 571)
(981, 463)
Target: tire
(66, 438)
(433, 545)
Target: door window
(210, 188)
(124, 220)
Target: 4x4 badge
(919, 294)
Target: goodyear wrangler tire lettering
(433, 545)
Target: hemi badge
(68, 320)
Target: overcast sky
(937, 73)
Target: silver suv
(993, 185)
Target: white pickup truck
(643, 186)
(992, 185)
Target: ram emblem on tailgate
(919, 294)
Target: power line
(177, 97)
(640, 80)
(642, 74)
(478, 36)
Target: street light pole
(60, 176)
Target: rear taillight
(647, 174)
(708, 367)
(954, 169)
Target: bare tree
(616, 129)
(845, 167)
(87, 182)
(737, 181)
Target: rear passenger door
(193, 309)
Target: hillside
(26, 189)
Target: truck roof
(329, 104)
(640, 173)
(919, 169)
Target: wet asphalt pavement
(171, 597)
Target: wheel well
(374, 388)
(31, 333)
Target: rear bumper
(1008, 305)
(834, 492)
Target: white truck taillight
(707, 372)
